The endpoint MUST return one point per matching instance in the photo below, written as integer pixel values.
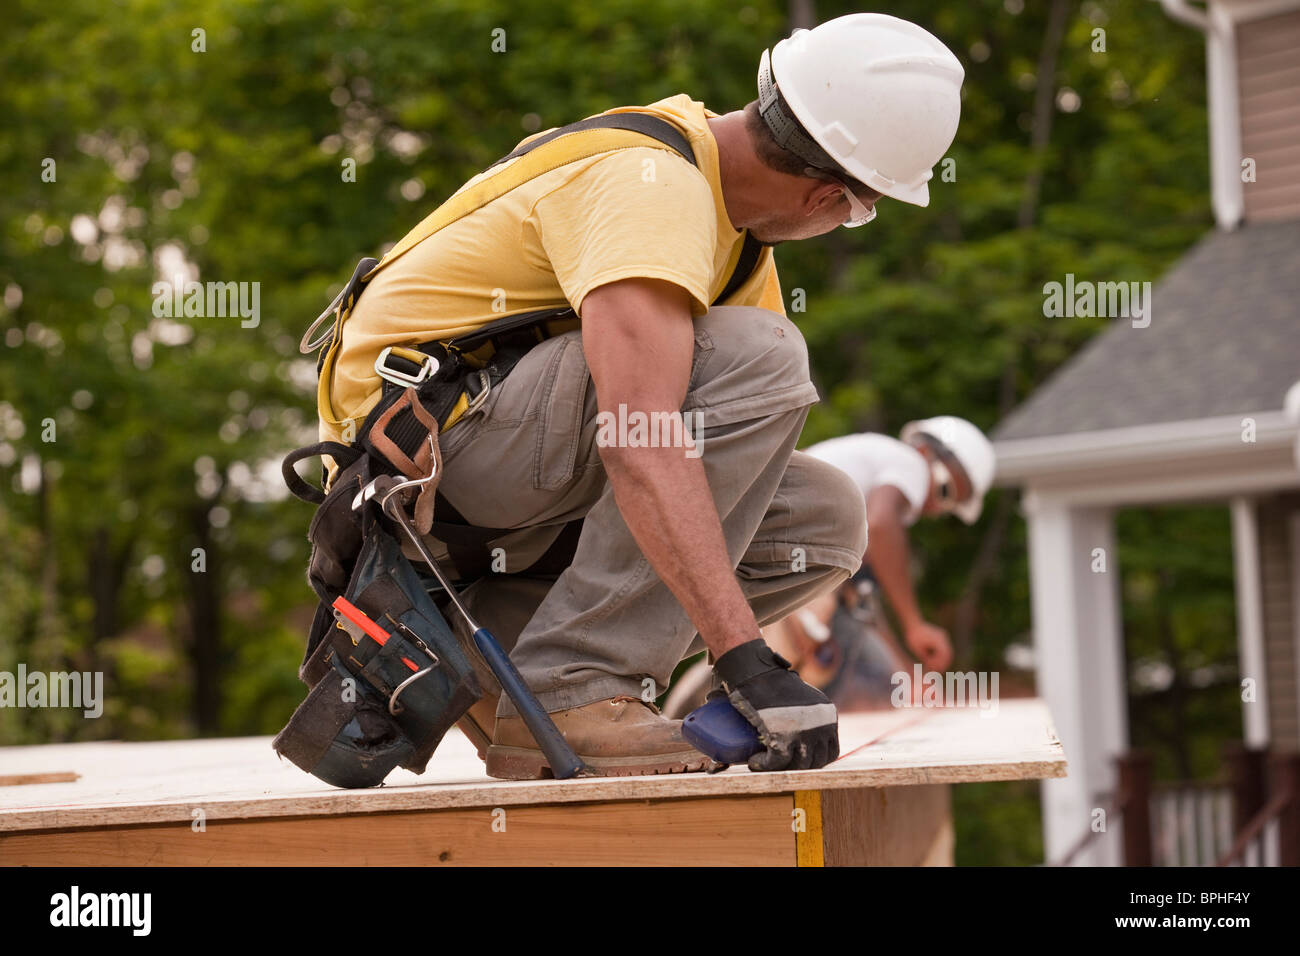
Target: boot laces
(635, 700)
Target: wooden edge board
(717, 831)
(904, 826)
(432, 797)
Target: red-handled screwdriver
(359, 618)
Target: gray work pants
(529, 460)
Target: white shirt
(873, 461)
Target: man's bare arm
(887, 553)
(638, 337)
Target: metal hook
(372, 489)
(413, 482)
(394, 707)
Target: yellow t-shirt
(642, 212)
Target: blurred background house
(1188, 409)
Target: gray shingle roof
(1224, 338)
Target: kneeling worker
(942, 465)
(608, 559)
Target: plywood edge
(450, 796)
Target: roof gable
(1224, 338)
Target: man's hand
(639, 341)
(930, 643)
(796, 723)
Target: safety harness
(388, 676)
(453, 377)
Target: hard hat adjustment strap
(786, 129)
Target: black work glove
(796, 723)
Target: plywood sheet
(141, 783)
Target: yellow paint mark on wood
(808, 840)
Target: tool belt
(375, 706)
(377, 702)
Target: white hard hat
(969, 447)
(880, 98)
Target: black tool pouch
(343, 734)
(372, 707)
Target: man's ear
(820, 194)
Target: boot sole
(519, 763)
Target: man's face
(810, 207)
(949, 486)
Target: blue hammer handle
(564, 762)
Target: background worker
(640, 242)
(838, 642)
(941, 465)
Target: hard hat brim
(915, 195)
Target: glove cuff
(749, 660)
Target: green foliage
(997, 824)
(1181, 637)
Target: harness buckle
(428, 366)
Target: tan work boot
(619, 737)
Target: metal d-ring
(307, 347)
(393, 707)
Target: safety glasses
(945, 486)
(859, 212)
